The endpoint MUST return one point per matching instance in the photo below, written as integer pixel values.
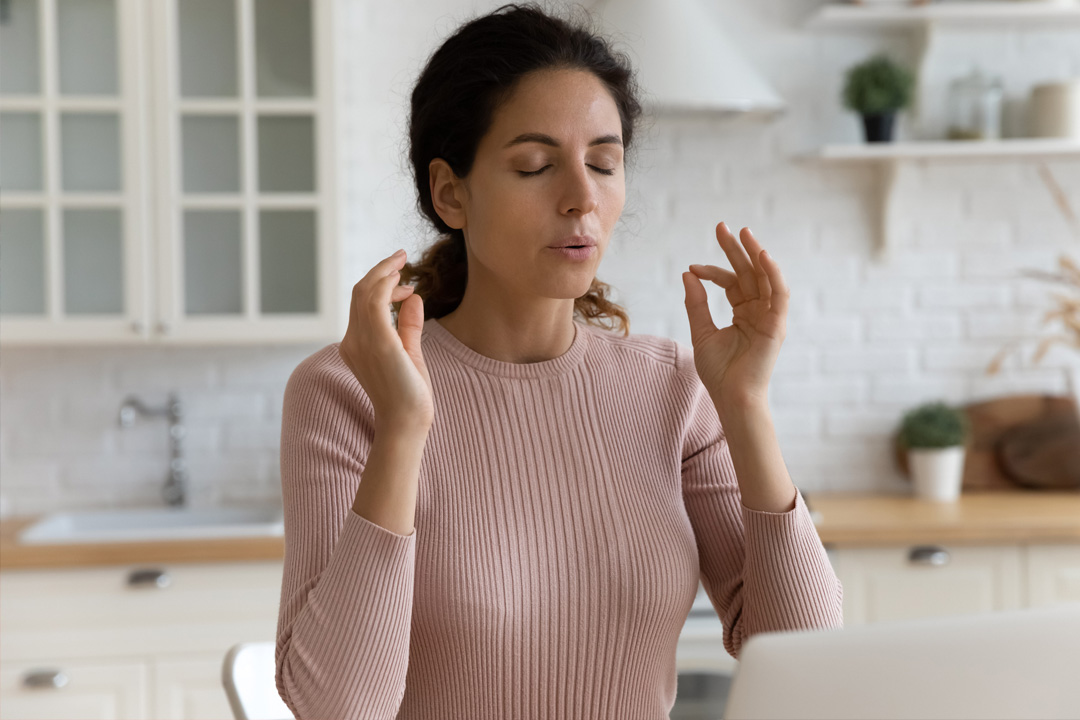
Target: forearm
(388, 486)
(764, 481)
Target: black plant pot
(879, 126)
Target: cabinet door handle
(45, 679)
(153, 577)
(928, 555)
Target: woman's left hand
(734, 363)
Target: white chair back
(248, 677)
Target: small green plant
(934, 425)
(878, 85)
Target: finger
(384, 266)
(697, 308)
(753, 248)
(739, 260)
(722, 277)
(400, 292)
(387, 285)
(781, 292)
(377, 300)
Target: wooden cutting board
(1019, 442)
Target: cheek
(508, 210)
(614, 200)
(504, 225)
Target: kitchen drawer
(91, 690)
(906, 582)
(91, 612)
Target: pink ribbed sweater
(566, 511)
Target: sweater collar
(561, 365)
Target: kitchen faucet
(174, 491)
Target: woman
(495, 510)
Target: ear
(447, 193)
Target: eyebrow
(548, 140)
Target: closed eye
(602, 171)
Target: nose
(579, 193)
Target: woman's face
(563, 127)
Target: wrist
(402, 427)
(741, 403)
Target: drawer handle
(149, 578)
(928, 555)
(45, 679)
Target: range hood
(683, 59)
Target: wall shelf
(926, 23)
(841, 16)
(891, 160)
(987, 149)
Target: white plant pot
(937, 473)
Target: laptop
(1009, 664)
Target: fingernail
(400, 252)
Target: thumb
(697, 307)
(410, 323)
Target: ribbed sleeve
(762, 571)
(346, 597)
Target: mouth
(578, 253)
(576, 241)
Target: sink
(154, 523)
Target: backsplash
(866, 340)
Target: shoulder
(657, 354)
(322, 382)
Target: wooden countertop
(987, 517)
(16, 556)
(849, 520)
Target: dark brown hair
(453, 105)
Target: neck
(509, 334)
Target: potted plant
(877, 89)
(1067, 311)
(934, 435)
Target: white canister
(1055, 110)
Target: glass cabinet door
(73, 245)
(247, 232)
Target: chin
(568, 290)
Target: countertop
(14, 555)
(843, 520)
(986, 517)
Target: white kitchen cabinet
(168, 172)
(1053, 574)
(189, 689)
(906, 582)
(73, 690)
(141, 641)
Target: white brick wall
(866, 340)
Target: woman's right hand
(387, 361)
